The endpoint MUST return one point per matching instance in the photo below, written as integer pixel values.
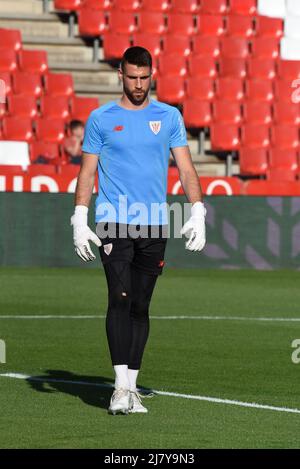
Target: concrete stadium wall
(242, 232)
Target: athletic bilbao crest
(155, 126)
(108, 248)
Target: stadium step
(67, 50)
(88, 73)
(24, 6)
(46, 24)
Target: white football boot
(120, 402)
(136, 404)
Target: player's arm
(194, 228)
(84, 189)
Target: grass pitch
(226, 357)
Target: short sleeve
(178, 132)
(92, 142)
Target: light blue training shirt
(133, 148)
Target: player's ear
(120, 73)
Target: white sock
(121, 379)
(132, 375)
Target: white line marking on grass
(161, 393)
(203, 318)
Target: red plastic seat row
(241, 7)
(20, 128)
(229, 137)
(278, 164)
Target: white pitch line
(161, 393)
(203, 318)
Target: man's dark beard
(136, 102)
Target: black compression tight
(127, 321)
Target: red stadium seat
(17, 128)
(261, 68)
(200, 88)
(11, 38)
(55, 107)
(122, 22)
(269, 27)
(196, 113)
(289, 69)
(69, 170)
(172, 64)
(257, 112)
(232, 67)
(283, 159)
(114, 45)
(285, 136)
(69, 5)
(230, 88)
(253, 161)
(265, 47)
(224, 137)
(202, 66)
(170, 89)
(150, 42)
(92, 23)
(277, 188)
(259, 90)
(59, 84)
(256, 136)
(214, 7)
(243, 7)
(281, 174)
(186, 6)
(8, 60)
(103, 5)
(210, 25)
(152, 22)
(81, 107)
(242, 26)
(284, 90)
(27, 84)
(286, 112)
(50, 130)
(7, 87)
(49, 151)
(128, 5)
(41, 169)
(22, 106)
(181, 24)
(177, 45)
(206, 45)
(34, 61)
(234, 47)
(227, 112)
(157, 5)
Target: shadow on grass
(93, 391)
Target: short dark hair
(136, 55)
(75, 123)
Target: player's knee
(140, 310)
(120, 300)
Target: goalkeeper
(128, 141)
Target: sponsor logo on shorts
(161, 263)
(108, 248)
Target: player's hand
(194, 228)
(82, 234)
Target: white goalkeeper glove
(194, 228)
(82, 234)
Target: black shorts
(144, 247)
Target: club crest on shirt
(155, 126)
